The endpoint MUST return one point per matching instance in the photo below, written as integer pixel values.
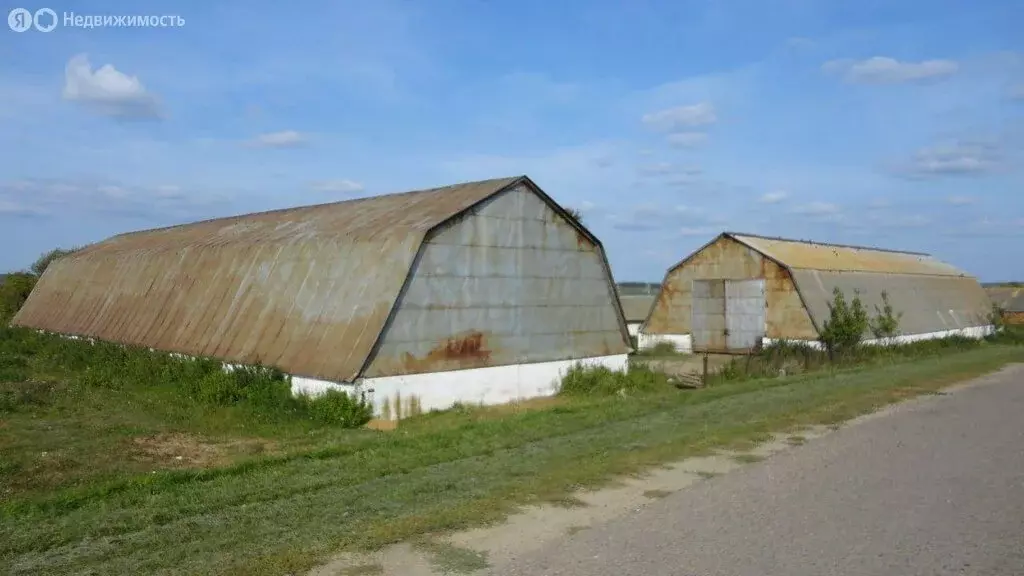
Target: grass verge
(288, 511)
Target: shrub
(338, 408)
(601, 381)
(44, 260)
(886, 323)
(847, 323)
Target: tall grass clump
(583, 380)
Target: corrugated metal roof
(305, 289)
(636, 307)
(838, 258)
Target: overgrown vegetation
(264, 394)
(601, 381)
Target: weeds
(602, 381)
(660, 349)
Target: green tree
(847, 323)
(44, 261)
(13, 292)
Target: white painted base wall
(682, 342)
(392, 396)
(633, 328)
(976, 332)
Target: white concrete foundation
(682, 342)
(396, 397)
(976, 332)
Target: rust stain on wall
(468, 350)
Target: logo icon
(40, 21)
(21, 20)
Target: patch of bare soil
(178, 450)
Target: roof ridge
(815, 243)
(507, 179)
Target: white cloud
(337, 186)
(701, 114)
(817, 209)
(158, 203)
(885, 70)
(107, 90)
(687, 139)
(649, 217)
(952, 158)
(960, 200)
(774, 197)
(284, 139)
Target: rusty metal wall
(927, 303)
(726, 258)
(305, 289)
(511, 283)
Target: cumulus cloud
(774, 197)
(342, 186)
(681, 117)
(687, 139)
(284, 139)
(952, 158)
(107, 91)
(885, 70)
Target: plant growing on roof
(886, 323)
(575, 214)
(847, 322)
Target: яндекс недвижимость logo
(46, 19)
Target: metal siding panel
(478, 305)
(708, 319)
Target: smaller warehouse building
(1010, 301)
(742, 291)
(635, 308)
(482, 293)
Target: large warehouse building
(482, 292)
(742, 291)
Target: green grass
(451, 559)
(91, 505)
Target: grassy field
(140, 478)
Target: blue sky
(894, 124)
